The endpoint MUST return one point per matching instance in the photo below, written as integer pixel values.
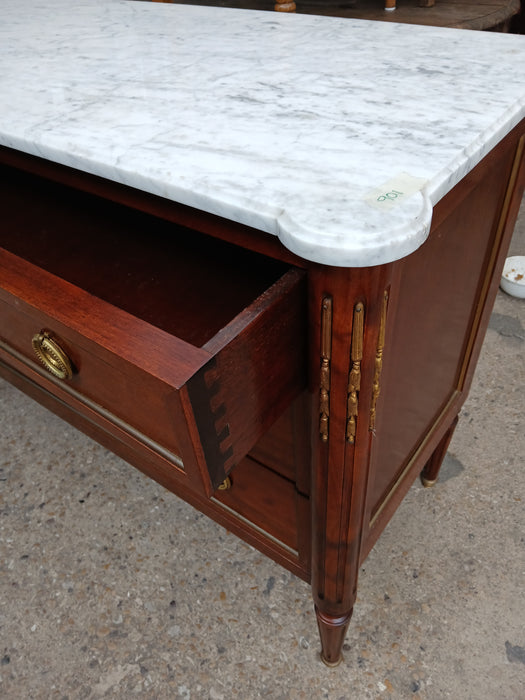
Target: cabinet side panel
(438, 304)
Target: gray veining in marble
(294, 124)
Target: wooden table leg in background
(284, 6)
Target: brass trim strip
(354, 377)
(376, 386)
(154, 446)
(326, 355)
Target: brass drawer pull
(52, 356)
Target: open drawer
(191, 345)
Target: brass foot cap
(428, 483)
(331, 664)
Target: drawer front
(202, 408)
(100, 379)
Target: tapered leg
(332, 631)
(430, 472)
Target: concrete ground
(111, 587)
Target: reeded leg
(332, 631)
(430, 472)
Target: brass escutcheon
(51, 355)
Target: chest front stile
(348, 313)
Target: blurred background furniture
(489, 15)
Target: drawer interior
(176, 279)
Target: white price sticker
(394, 191)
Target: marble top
(336, 135)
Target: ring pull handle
(52, 356)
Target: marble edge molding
(378, 248)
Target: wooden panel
(441, 293)
(276, 448)
(285, 447)
(264, 499)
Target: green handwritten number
(393, 194)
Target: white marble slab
(292, 124)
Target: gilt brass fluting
(378, 363)
(52, 356)
(354, 378)
(326, 354)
